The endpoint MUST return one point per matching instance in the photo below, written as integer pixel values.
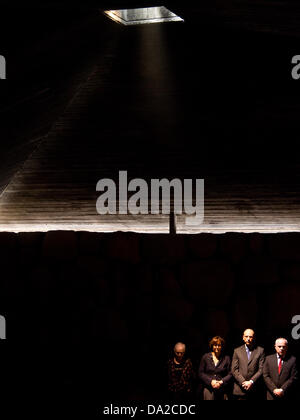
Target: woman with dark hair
(215, 371)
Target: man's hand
(215, 384)
(278, 392)
(247, 385)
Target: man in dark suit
(280, 372)
(247, 367)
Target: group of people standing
(241, 378)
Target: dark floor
(92, 318)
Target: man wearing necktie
(280, 372)
(247, 367)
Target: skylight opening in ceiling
(142, 16)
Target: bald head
(179, 346)
(179, 351)
(248, 337)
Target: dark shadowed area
(92, 317)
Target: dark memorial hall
(149, 205)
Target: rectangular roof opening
(143, 15)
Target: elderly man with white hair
(280, 372)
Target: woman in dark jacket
(215, 371)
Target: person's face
(179, 353)
(281, 347)
(248, 337)
(217, 348)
